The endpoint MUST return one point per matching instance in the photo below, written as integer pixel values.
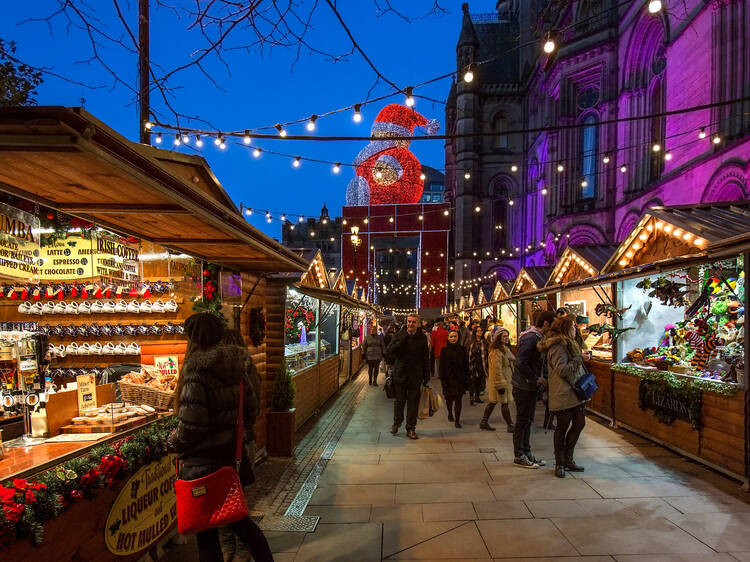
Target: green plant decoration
(210, 299)
(283, 391)
(680, 385)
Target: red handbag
(217, 499)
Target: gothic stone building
(589, 179)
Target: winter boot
(505, 410)
(486, 418)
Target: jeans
(249, 533)
(570, 423)
(407, 394)
(525, 409)
(373, 365)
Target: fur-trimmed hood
(224, 362)
(548, 342)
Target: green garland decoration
(26, 506)
(210, 299)
(678, 384)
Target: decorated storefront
(320, 324)
(97, 277)
(680, 373)
(506, 312)
(595, 311)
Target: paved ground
(455, 495)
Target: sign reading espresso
(667, 405)
(144, 510)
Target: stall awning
(330, 295)
(66, 159)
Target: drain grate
(301, 524)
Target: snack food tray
(108, 428)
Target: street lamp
(356, 241)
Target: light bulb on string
(357, 117)
(283, 217)
(606, 159)
(477, 209)
(217, 140)
(702, 133)
(257, 152)
(158, 138)
(654, 6)
(336, 167)
(420, 217)
(656, 147)
(560, 168)
(623, 168)
(514, 168)
(467, 174)
(716, 139)
(409, 96)
(185, 138)
(584, 183)
(222, 144)
(422, 176)
(248, 212)
(311, 122)
(297, 161)
(177, 140)
(246, 138)
(511, 202)
(302, 218)
(198, 141)
(667, 156)
(469, 74)
(280, 129)
(446, 212)
(148, 125)
(544, 191)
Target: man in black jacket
(411, 370)
(528, 375)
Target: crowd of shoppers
(477, 357)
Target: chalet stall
(528, 290)
(594, 308)
(309, 322)
(107, 247)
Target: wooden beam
(116, 209)
(216, 241)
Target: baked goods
(150, 376)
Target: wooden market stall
(680, 375)
(130, 222)
(525, 289)
(595, 304)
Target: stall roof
(66, 159)
(536, 275)
(580, 262)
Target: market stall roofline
(330, 295)
(59, 156)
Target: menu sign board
(67, 258)
(144, 510)
(86, 386)
(115, 259)
(19, 243)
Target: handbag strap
(240, 426)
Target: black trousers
(477, 386)
(525, 409)
(570, 423)
(407, 394)
(209, 549)
(372, 366)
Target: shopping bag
(435, 402)
(390, 391)
(424, 403)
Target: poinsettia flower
(30, 497)
(6, 494)
(14, 511)
(20, 484)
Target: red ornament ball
(76, 495)
(50, 215)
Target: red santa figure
(387, 171)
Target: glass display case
(329, 330)
(300, 330)
(509, 317)
(690, 322)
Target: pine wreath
(257, 327)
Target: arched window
(501, 139)
(589, 144)
(657, 104)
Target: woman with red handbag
(216, 405)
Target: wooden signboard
(86, 387)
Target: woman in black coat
(207, 405)
(454, 375)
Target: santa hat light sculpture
(386, 170)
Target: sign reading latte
(144, 510)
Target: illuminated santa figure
(387, 171)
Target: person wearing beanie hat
(386, 170)
(207, 405)
(499, 389)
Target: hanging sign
(19, 243)
(144, 510)
(67, 258)
(114, 259)
(86, 386)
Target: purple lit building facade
(611, 63)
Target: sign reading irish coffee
(668, 405)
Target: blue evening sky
(261, 89)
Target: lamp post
(356, 241)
